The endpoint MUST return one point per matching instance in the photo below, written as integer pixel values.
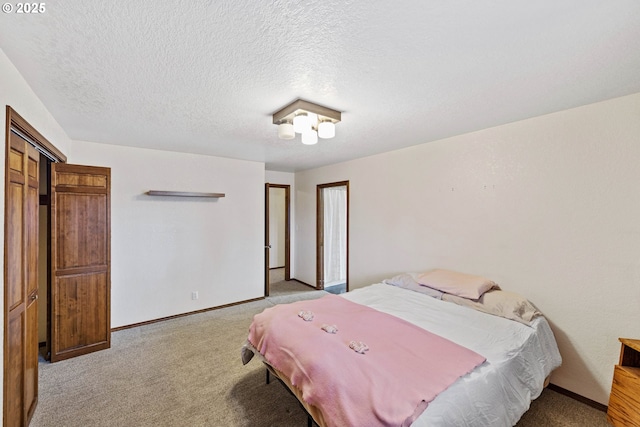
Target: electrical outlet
(194, 295)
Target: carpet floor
(187, 372)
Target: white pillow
(460, 284)
(408, 281)
(500, 303)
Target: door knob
(267, 247)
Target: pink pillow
(460, 284)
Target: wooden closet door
(21, 283)
(31, 240)
(80, 258)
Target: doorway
(277, 232)
(44, 258)
(332, 237)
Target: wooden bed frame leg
(310, 421)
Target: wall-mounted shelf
(183, 194)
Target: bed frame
(295, 392)
(310, 409)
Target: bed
(517, 352)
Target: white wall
(287, 178)
(548, 207)
(164, 248)
(15, 92)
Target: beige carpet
(187, 372)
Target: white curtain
(335, 235)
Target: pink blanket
(390, 384)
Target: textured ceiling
(205, 76)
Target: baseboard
(162, 319)
(204, 310)
(579, 398)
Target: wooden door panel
(31, 350)
(31, 226)
(15, 238)
(80, 324)
(32, 248)
(31, 237)
(14, 360)
(81, 281)
(14, 265)
(80, 242)
(16, 156)
(19, 221)
(75, 177)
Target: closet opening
(277, 243)
(44, 260)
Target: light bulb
(301, 123)
(326, 130)
(310, 137)
(313, 119)
(285, 131)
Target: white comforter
(498, 392)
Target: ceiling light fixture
(308, 119)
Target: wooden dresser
(624, 401)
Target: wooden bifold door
(80, 260)
(21, 283)
(79, 276)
